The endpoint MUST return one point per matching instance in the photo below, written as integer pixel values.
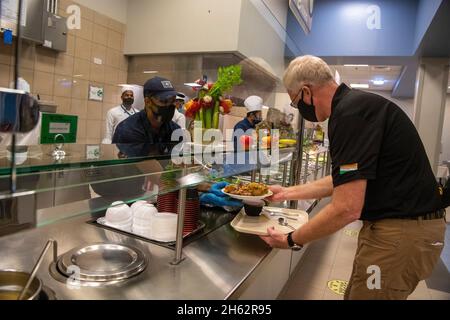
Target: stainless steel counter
(214, 267)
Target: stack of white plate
(119, 216)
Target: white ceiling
(365, 75)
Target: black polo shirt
(371, 138)
(137, 129)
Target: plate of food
(247, 191)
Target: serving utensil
(273, 214)
(282, 221)
(38, 264)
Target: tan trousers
(393, 255)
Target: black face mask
(257, 121)
(163, 114)
(308, 111)
(128, 102)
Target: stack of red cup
(192, 211)
(168, 202)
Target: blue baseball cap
(160, 88)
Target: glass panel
(94, 73)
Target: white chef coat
(115, 116)
(179, 119)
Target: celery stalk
(208, 118)
(216, 115)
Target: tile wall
(65, 77)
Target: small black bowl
(253, 210)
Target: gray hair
(307, 70)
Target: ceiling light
(359, 85)
(150, 72)
(381, 68)
(356, 65)
(378, 82)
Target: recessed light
(359, 85)
(378, 82)
(150, 72)
(78, 75)
(356, 65)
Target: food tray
(259, 225)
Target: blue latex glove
(212, 199)
(216, 188)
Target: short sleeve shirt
(137, 129)
(371, 138)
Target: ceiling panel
(367, 74)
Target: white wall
(445, 155)
(175, 26)
(279, 9)
(115, 9)
(261, 38)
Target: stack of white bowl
(119, 216)
(164, 227)
(143, 214)
(142, 219)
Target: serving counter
(217, 263)
(221, 264)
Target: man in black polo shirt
(380, 175)
(154, 124)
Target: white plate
(235, 196)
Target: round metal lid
(102, 262)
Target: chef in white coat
(119, 113)
(179, 118)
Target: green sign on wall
(59, 126)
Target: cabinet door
(269, 278)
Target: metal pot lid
(102, 262)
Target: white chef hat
(22, 84)
(253, 103)
(127, 88)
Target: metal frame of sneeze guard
(178, 258)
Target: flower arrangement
(209, 103)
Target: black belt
(429, 216)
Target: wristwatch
(292, 245)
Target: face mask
(257, 121)
(128, 102)
(308, 111)
(163, 114)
